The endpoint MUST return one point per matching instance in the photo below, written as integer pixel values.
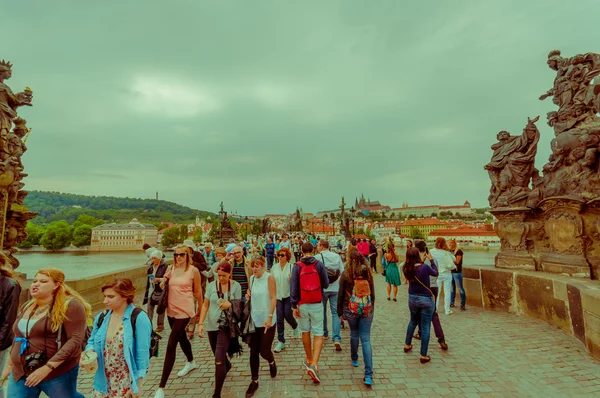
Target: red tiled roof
(463, 232)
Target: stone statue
(573, 165)
(13, 215)
(551, 223)
(576, 90)
(511, 168)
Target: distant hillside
(56, 206)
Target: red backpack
(310, 284)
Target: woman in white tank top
(262, 294)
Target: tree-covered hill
(56, 206)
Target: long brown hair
(392, 253)
(123, 287)
(413, 257)
(440, 243)
(354, 266)
(58, 313)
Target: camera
(35, 361)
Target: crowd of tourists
(241, 295)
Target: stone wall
(90, 288)
(570, 304)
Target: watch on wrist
(50, 366)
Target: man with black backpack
(308, 280)
(334, 267)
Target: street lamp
(353, 211)
(246, 220)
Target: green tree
(170, 236)
(82, 235)
(198, 234)
(84, 219)
(183, 233)
(34, 234)
(415, 233)
(57, 235)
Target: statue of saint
(9, 102)
(576, 89)
(512, 166)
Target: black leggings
(177, 335)
(219, 343)
(260, 344)
(373, 260)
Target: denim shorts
(311, 318)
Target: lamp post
(246, 220)
(353, 211)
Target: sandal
(425, 359)
(407, 348)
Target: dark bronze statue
(13, 133)
(552, 222)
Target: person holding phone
(421, 300)
(221, 295)
(263, 294)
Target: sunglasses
(179, 254)
(281, 255)
(255, 266)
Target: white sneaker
(160, 393)
(279, 347)
(189, 366)
(449, 312)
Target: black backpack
(154, 337)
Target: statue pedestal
(560, 236)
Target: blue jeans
(360, 328)
(421, 311)
(63, 386)
(457, 281)
(284, 312)
(335, 319)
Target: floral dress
(116, 369)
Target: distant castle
(368, 205)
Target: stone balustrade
(568, 303)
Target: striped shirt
(239, 275)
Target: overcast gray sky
(267, 105)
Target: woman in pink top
(184, 285)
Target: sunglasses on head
(178, 254)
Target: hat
(189, 243)
(149, 252)
(156, 254)
(230, 247)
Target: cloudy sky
(269, 105)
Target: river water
(85, 265)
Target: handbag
(163, 301)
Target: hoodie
(295, 281)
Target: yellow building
(123, 237)
(423, 226)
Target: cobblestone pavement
(491, 354)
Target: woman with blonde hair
(183, 283)
(49, 333)
(10, 292)
(263, 294)
(445, 261)
(121, 341)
